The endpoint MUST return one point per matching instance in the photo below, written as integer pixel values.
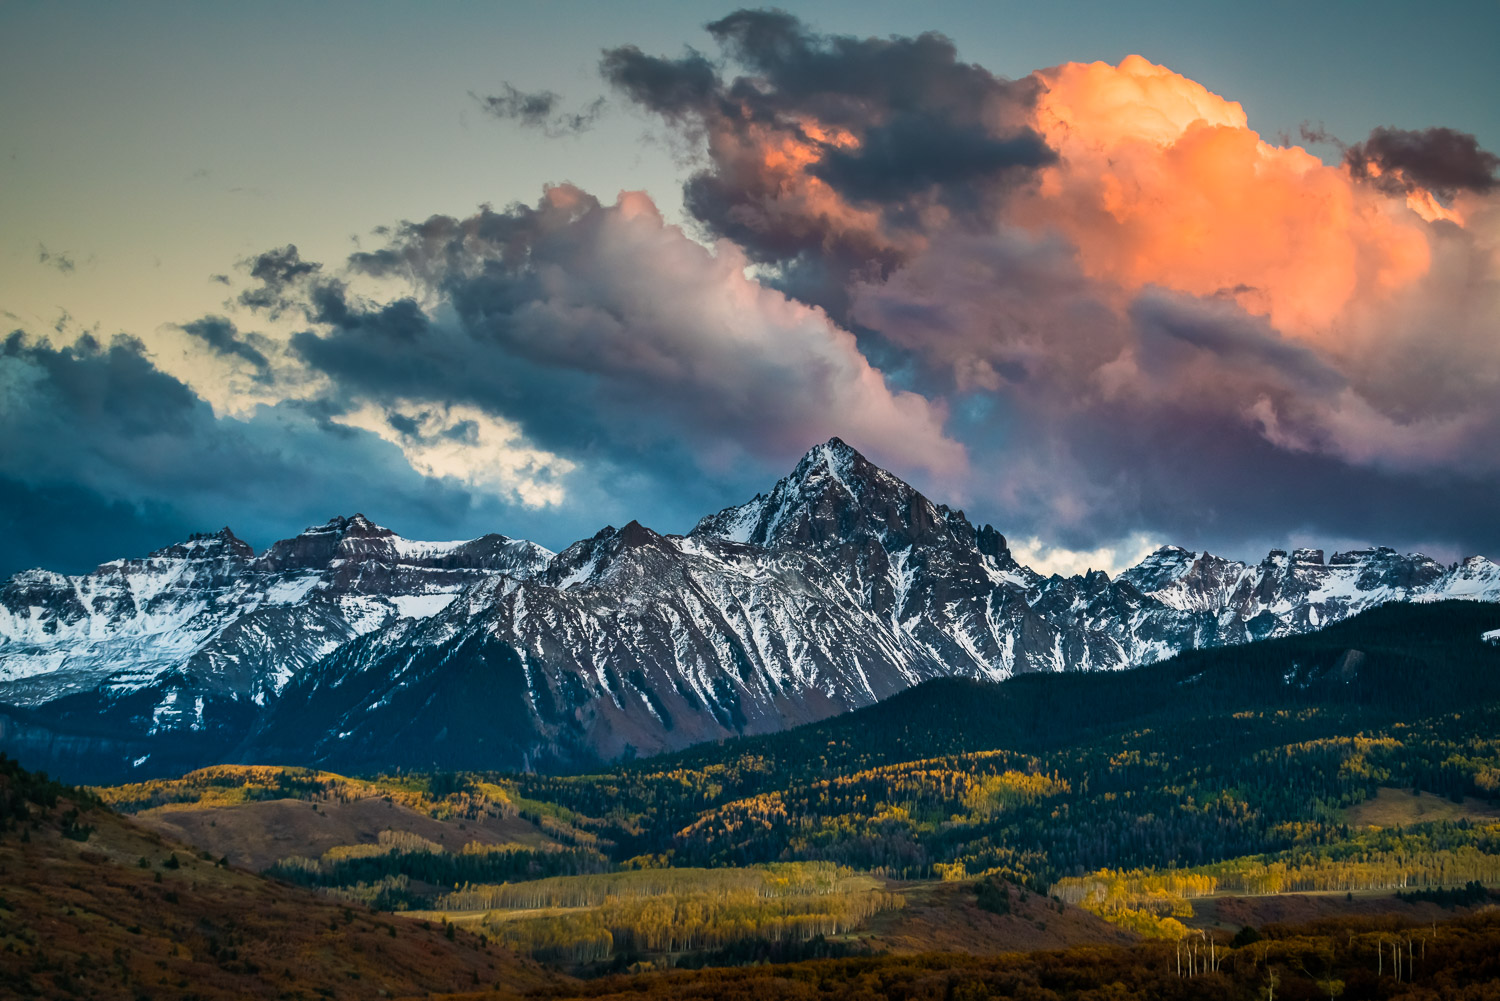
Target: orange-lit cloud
(1161, 182)
(773, 161)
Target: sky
(1106, 276)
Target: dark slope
(1401, 660)
(92, 905)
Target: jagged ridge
(352, 647)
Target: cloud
(599, 328)
(276, 270)
(103, 455)
(540, 110)
(1438, 159)
(676, 88)
(1109, 254)
(222, 337)
(1049, 559)
(1093, 305)
(467, 445)
(67, 528)
(831, 155)
(59, 259)
(1161, 182)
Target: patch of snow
(421, 606)
(742, 523)
(579, 574)
(414, 549)
(292, 591)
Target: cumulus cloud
(1149, 318)
(599, 327)
(1161, 182)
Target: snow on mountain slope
(238, 625)
(837, 588)
(351, 647)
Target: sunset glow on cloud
(1163, 183)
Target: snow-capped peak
(833, 496)
(837, 587)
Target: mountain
(173, 656)
(353, 648)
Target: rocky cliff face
(352, 647)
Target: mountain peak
(834, 495)
(356, 524)
(838, 458)
(317, 545)
(208, 545)
(634, 535)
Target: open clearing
(257, 835)
(1399, 808)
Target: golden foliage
(587, 918)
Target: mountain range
(353, 648)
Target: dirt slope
(86, 918)
(946, 917)
(255, 835)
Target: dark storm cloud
(915, 154)
(1202, 479)
(277, 271)
(1172, 327)
(114, 387)
(1439, 159)
(103, 455)
(669, 87)
(830, 153)
(540, 110)
(223, 338)
(69, 529)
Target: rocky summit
(351, 647)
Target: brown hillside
(945, 917)
(90, 919)
(1231, 913)
(256, 835)
(1399, 808)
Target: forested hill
(1395, 661)
(1363, 759)
(1213, 755)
